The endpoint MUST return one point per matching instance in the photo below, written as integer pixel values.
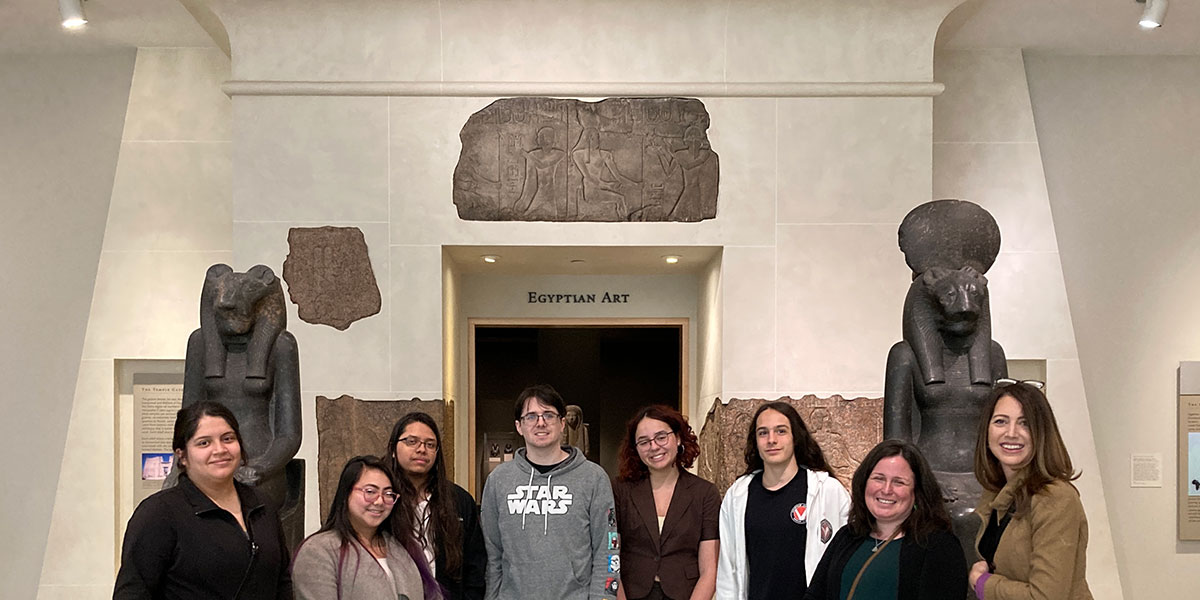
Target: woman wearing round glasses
(445, 517)
(1034, 535)
(354, 555)
(667, 518)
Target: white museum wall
(1120, 141)
(812, 188)
(986, 150)
(61, 127)
(169, 218)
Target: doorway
(610, 368)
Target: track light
(1152, 16)
(72, 13)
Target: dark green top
(880, 580)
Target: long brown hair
(1049, 459)
(443, 509)
(929, 510)
(806, 450)
(632, 468)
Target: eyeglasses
(1041, 385)
(549, 417)
(659, 439)
(371, 493)
(412, 442)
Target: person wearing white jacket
(778, 517)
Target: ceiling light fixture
(490, 258)
(72, 13)
(671, 259)
(1152, 16)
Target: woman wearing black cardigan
(898, 542)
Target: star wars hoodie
(551, 535)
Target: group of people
(551, 525)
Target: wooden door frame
(583, 322)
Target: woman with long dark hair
(897, 543)
(1034, 534)
(355, 556)
(209, 536)
(778, 517)
(445, 518)
(666, 517)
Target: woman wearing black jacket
(209, 536)
(898, 542)
(446, 518)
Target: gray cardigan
(314, 571)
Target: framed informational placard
(148, 394)
(1189, 451)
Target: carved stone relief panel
(329, 276)
(349, 427)
(845, 429)
(620, 159)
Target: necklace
(878, 543)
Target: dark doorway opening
(610, 372)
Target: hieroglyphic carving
(349, 427)
(845, 429)
(329, 276)
(620, 159)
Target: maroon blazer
(673, 555)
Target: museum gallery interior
(708, 204)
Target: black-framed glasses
(659, 439)
(1041, 385)
(371, 493)
(549, 417)
(412, 442)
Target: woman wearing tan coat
(1033, 539)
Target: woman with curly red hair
(666, 517)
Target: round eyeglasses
(371, 493)
(659, 439)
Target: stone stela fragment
(329, 276)
(620, 159)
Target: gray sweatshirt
(551, 536)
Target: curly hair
(807, 452)
(929, 510)
(631, 466)
(1050, 460)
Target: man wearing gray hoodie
(547, 515)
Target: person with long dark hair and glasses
(666, 517)
(1034, 535)
(898, 543)
(355, 556)
(209, 536)
(778, 518)
(445, 516)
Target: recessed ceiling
(34, 27)
(580, 260)
(1071, 27)
(1056, 26)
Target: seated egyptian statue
(242, 357)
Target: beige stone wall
(168, 220)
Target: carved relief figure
(939, 376)
(699, 165)
(538, 197)
(626, 159)
(242, 357)
(603, 183)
